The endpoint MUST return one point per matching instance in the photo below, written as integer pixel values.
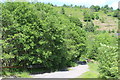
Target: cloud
(111, 3)
(77, 2)
(95, 2)
(114, 5)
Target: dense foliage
(117, 14)
(108, 56)
(76, 21)
(87, 17)
(104, 49)
(62, 11)
(95, 8)
(90, 27)
(36, 34)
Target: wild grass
(92, 73)
(21, 74)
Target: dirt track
(73, 72)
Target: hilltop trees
(64, 5)
(95, 8)
(106, 9)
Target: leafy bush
(96, 16)
(92, 16)
(108, 61)
(116, 13)
(62, 11)
(36, 34)
(90, 27)
(93, 43)
(104, 48)
(95, 8)
(76, 21)
(107, 55)
(102, 20)
(87, 17)
(91, 46)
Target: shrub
(97, 17)
(76, 21)
(38, 35)
(97, 26)
(116, 13)
(102, 20)
(92, 16)
(62, 11)
(107, 55)
(91, 46)
(95, 8)
(87, 17)
(90, 27)
(108, 61)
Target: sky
(87, 3)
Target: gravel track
(73, 72)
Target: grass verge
(92, 73)
(19, 74)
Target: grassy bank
(93, 73)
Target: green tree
(116, 13)
(95, 8)
(43, 37)
(90, 27)
(97, 17)
(107, 55)
(92, 16)
(87, 17)
(76, 21)
(62, 11)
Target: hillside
(41, 38)
(110, 22)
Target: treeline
(33, 33)
(106, 9)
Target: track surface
(73, 72)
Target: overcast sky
(88, 3)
